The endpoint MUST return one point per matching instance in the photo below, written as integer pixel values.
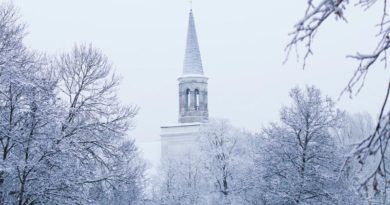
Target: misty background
(242, 46)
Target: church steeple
(192, 84)
(179, 140)
(192, 59)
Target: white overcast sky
(242, 46)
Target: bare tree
(12, 32)
(217, 172)
(12, 55)
(319, 11)
(226, 161)
(354, 128)
(15, 62)
(181, 181)
(300, 159)
(94, 123)
(62, 128)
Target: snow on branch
(375, 144)
(306, 29)
(317, 12)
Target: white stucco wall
(177, 140)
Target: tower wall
(193, 105)
(178, 140)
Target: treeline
(63, 141)
(299, 160)
(62, 129)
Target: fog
(242, 46)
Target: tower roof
(192, 59)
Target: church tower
(192, 82)
(179, 139)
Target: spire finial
(190, 5)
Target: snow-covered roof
(192, 59)
(192, 76)
(188, 124)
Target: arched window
(188, 99)
(196, 99)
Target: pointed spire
(192, 59)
